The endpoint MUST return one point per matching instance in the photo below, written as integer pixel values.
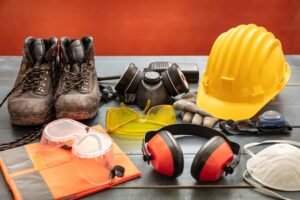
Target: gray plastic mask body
(152, 90)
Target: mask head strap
(247, 146)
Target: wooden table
(152, 185)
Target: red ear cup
(167, 157)
(211, 159)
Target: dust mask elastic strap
(247, 146)
(258, 187)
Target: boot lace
(31, 81)
(76, 80)
(34, 80)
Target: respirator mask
(136, 86)
(275, 167)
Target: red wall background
(145, 27)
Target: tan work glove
(191, 113)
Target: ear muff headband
(194, 130)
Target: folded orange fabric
(28, 178)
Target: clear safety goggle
(88, 151)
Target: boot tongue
(75, 52)
(37, 50)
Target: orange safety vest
(30, 179)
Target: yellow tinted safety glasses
(127, 122)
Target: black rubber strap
(234, 128)
(107, 93)
(231, 127)
(117, 171)
(108, 78)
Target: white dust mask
(277, 167)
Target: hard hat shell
(246, 68)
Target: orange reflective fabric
(9, 181)
(63, 178)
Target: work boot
(77, 95)
(31, 102)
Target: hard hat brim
(234, 110)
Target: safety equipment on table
(246, 69)
(128, 123)
(276, 167)
(140, 87)
(89, 148)
(30, 101)
(213, 158)
(77, 94)
(191, 113)
(53, 175)
(269, 122)
(189, 70)
(25, 139)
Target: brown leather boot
(78, 94)
(31, 102)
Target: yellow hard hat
(246, 68)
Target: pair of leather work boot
(47, 83)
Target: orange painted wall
(145, 27)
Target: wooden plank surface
(152, 185)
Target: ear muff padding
(167, 157)
(130, 80)
(174, 80)
(210, 160)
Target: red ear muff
(166, 154)
(211, 159)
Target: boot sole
(88, 113)
(31, 120)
